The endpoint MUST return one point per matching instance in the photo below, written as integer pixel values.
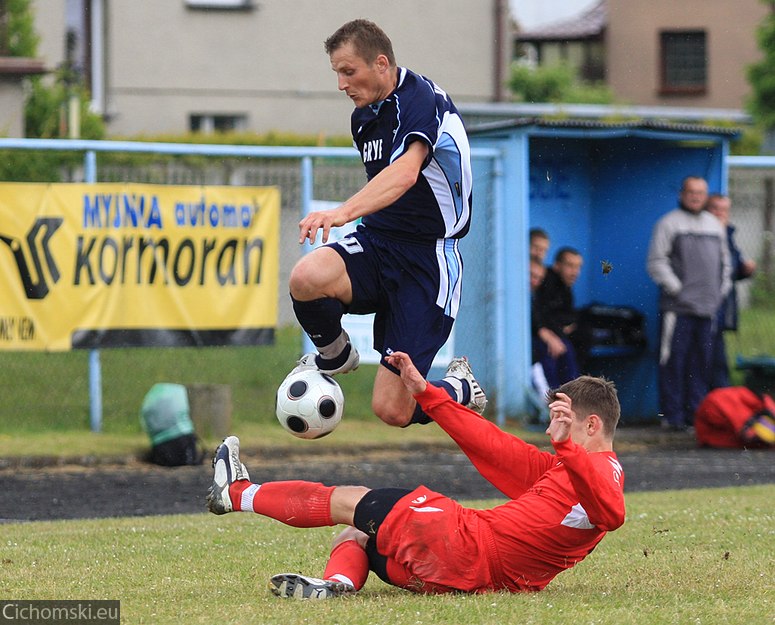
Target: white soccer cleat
(307, 361)
(227, 469)
(460, 368)
(296, 586)
(314, 361)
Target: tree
(44, 111)
(46, 102)
(761, 75)
(17, 29)
(556, 83)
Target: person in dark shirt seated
(555, 318)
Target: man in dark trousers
(688, 259)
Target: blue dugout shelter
(592, 185)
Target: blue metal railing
(302, 153)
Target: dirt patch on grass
(88, 487)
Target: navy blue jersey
(438, 206)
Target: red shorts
(434, 545)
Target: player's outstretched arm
(504, 460)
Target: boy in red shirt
(560, 505)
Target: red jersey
(560, 507)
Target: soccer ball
(309, 403)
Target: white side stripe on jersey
(578, 518)
(426, 509)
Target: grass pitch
(698, 556)
(51, 390)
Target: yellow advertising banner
(119, 265)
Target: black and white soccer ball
(310, 404)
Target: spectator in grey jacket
(688, 258)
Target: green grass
(755, 332)
(697, 556)
(51, 391)
(755, 337)
(45, 396)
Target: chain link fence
(752, 192)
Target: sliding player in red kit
(560, 505)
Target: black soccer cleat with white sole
(296, 586)
(459, 367)
(227, 469)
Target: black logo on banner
(29, 261)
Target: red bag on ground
(735, 417)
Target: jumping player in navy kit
(402, 262)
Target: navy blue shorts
(413, 288)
